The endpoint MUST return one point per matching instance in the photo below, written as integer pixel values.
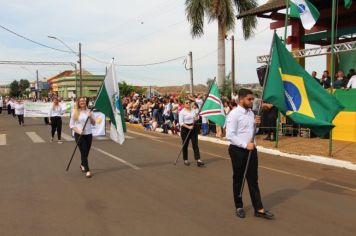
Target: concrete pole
(80, 70)
(38, 87)
(191, 73)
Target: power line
(154, 63)
(33, 41)
(137, 65)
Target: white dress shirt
(56, 111)
(83, 115)
(352, 82)
(186, 117)
(240, 126)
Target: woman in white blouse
(187, 117)
(84, 134)
(19, 111)
(55, 119)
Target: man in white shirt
(240, 128)
(352, 82)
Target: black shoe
(266, 214)
(200, 163)
(186, 163)
(240, 213)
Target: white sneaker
(51, 140)
(60, 142)
(88, 174)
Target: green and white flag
(306, 11)
(213, 109)
(109, 103)
(347, 3)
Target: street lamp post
(79, 54)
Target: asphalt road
(136, 189)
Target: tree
(14, 89)
(126, 89)
(23, 85)
(223, 12)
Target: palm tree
(224, 12)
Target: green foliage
(44, 92)
(14, 89)
(127, 89)
(24, 84)
(18, 88)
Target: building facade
(67, 84)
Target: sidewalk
(306, 149)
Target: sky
(133, 32)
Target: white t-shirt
(19, 109)
(352, 82)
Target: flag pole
(186, 139)
(285, 43)
(332, 69)
(258, 114)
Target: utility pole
(232, 64)
(80, 69)
(38, 87)
(191, 73)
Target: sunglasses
(187, 102)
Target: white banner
(99, 128)
(42, 109)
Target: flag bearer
(189, 131)
(239, 131)
(81, 133)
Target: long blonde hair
(76, 110)
(53, 104)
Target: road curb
(310, 158)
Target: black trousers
(56, 125)
(84, 147)
(21, 119)
(238, 159)
(0, 110)
(193, 136)
(13, 112)
(8, 109)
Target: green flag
(213, 109)
(296, 94)
(108, 102)
(347, 3)
(306, 11)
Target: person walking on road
(55, 119)
(240, 131)
(83, 135)
(19, 111)
(12, 106)
(1, 104)
(189, 131)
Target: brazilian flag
(296, 94)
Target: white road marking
(117, 158)
(126, 136)
(35, 137)
(2, 139)
(265, 167)
(309, 178)
(67, 137)
(144, 135)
